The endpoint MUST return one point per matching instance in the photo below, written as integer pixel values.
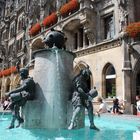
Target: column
(126, 76)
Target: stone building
(95, 31)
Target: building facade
(97, 31)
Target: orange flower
(13, 69)
(35, 29)
(133, 29)
(0, 74)
(69, 7)
(8, 71)
(50, 20)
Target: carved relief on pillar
(90, 33)
(34, 11)
(123, 13)
(126, 55)
(88, 23)
(3, 51)
(85, 3)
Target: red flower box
(69, 7)
(8, 71)
(0, 74)
(50, 20)
(13, 69)
(35, 29)
(133, 29)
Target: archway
(37, 44)
(0, 89)
(7, 85)
(135, 81)
(109, 81)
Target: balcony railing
(65, 10)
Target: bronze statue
(20, 95)
(82, 96)
(55, 38)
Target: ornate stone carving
(88, 23)
(90, 33)
(122, 4)
(106, 3)
(34, 11)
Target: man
(82, 96)
(103, 107)
(20, 95)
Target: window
(76, 41)
(7, 85)
(20, 24)
(10, 51)
(12, 30)
(4, 35)
(138, 84)
(80, 37)
(52, 7)
(108, 27)
(137, 10)
(86, 40)
(19, 45)
(109, 81)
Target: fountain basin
(109, 130)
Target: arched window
(109, 81)
(137, 10)
(19, 45)
(20, 24)
(138, 84)
(10, 51)
(7, 88)
(0, 89)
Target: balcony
(74, 9)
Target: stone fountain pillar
(53, 74)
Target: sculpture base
(32, 113)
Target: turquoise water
(111, 128)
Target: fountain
(52, 110)
(53, 75)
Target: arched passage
(0, 89)
(135, 81)
(109, 81)
(37, 44)
(7, 85)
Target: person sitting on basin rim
(20, 95)
(82, 96)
